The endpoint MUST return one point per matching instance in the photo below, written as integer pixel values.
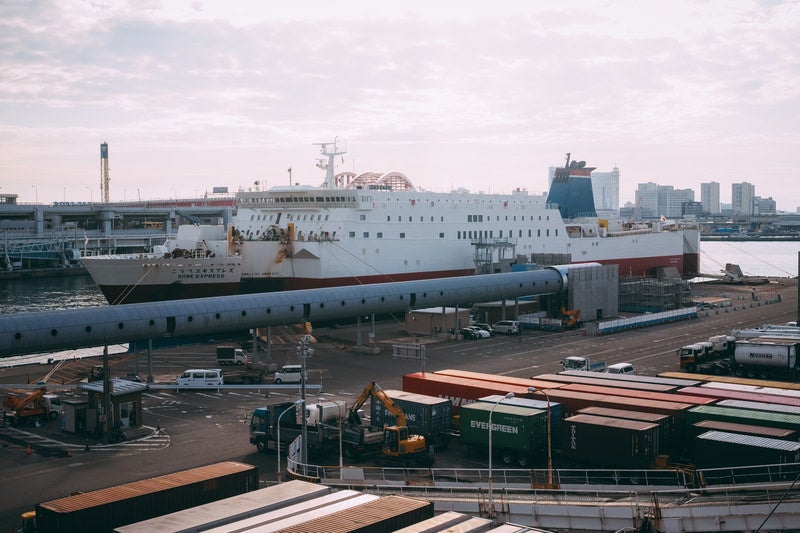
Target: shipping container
(609, 442)
(497, 378)
(666, 434)
(742, 416)
(458, 390)
(388, 513)
(746, 429)
(229, 510)
(760, 406)
(592, 378)
(733, 379)
(452, 522)
(728, 394)
(717, 449)
(636, 378)
(556, 411)
(428, 416)
(103, 510)
(634, 393)
(519, 434)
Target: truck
(713, 356)
(231, 355)
(31, 407)
(251, 373)
(274, 426)
(766, 359)
(575, 362)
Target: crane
(399, 447)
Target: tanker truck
(766, 359)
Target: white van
(620, 368)
(509, 327)
(289, 374)
(200, 378)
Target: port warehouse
(734, 434)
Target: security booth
(74, 420)
(126, 404)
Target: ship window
(556, 232)
(459, 234)
(491, 234)
(431, 219)
(515, 218)
(409, 219)
(540, 218)
(441, 219)
(501, 234)
(421, 219)
(399, 219)
(548, 232)
(366, 235)
(352, 234)
(402, 235)
(529, 233)
(388, 218)
(469, 218)
(480, 218)
(326, 217)
(441, 235)
(362, 217)
(520, 233)
(379, 235)
(538, 233)
(319, 199)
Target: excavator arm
(373, 390)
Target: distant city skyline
(195, 94)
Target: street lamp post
(278, 424)
(491, 499)
(36, 192)
(549, 441)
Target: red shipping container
(730, 394)
(633, 393)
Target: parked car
(484, 327)
(620, 368)
(509, 327)
(289, 374)
(471, 332)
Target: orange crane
(35, 406)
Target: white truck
(713, 356)
(231, 355)
(575, 362)
(766, 359)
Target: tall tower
(104, 177)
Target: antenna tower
(105, 179)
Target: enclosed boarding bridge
(25, 333)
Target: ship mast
(328, 165)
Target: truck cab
(231, 355)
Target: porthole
(322, 306)
(53, 332)
(269, 311)
(18, 335)
(120, 325)
(383, 298)
(363, 301)
(88, 329)
(343, 304)
(190, 318)
(152, 322)
(217, 316)
(244, 313)
(291, 308)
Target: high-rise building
(709, 197)
(662, 200)
(605, 186)
(742, 196)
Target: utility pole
(304, 352)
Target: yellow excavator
(399, 447)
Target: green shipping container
(742, 416)
(514, 428)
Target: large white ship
(379, 227)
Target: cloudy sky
(484, 95)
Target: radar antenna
(326, 163)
